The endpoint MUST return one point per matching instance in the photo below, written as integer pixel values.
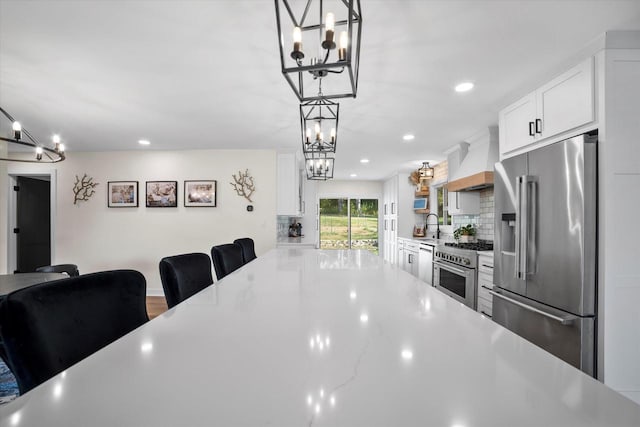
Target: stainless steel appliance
(425, 263)
(454, 273)
(545, 248)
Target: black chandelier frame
(348, 58)
(47, 154)
(319, 165)
(321, 111)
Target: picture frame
(200, 193)
(122, 194)
(161, 194)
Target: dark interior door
(33, 239)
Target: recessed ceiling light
(409, 137)
(464, 87)
(144, 142)
(353, 175)
(364, 160)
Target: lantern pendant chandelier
(319, 166)
(426, 171)
(316, 25)
(42, 153)
(316, 117)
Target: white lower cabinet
(400, 253)
(485, 283)
(411, 249)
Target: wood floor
(156, 306)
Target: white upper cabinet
(563, 104)
(464, 202)
(516, 125)
(289, 191)
(567, 101)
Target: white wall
(361, 189)
(619, 175)
(97, 238)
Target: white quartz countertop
(303, 337)
(426, 240)
(306, 240)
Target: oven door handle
(449, 268)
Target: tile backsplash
(482, 222)
(485, 225)
(283, 224)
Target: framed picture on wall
(200, 194)
(162, 194)
(122, 194)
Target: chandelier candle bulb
(308, 135)
(17, 130)
(56, 142)
(333, 135)
(297, 44)
(344, 42)
(39, 153)
(329, 31)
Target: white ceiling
(206, 74)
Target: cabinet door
(288, 180)
(464, 203)
(393, 252)
(517, 124)
(394, 195)
(567, 101)
(301, 184)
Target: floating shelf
(422, 193)
(421, 211)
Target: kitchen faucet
(426, 225)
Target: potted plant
(465, 233)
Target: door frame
(12, 206)
(341, 196)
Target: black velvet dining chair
(48, 327)
(184, 275)
(248, 249)
(70, 269)
(226, 258)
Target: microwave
(422, 203)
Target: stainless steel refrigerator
(545, 248)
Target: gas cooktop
(480, 245)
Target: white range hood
(476, 169)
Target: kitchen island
(306, 242)
(310, 337)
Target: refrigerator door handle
(525, 237)
(518, 229)
(528, 214)
(524, 226)
(564, 320)
(532, 225)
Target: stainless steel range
(454, 270)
